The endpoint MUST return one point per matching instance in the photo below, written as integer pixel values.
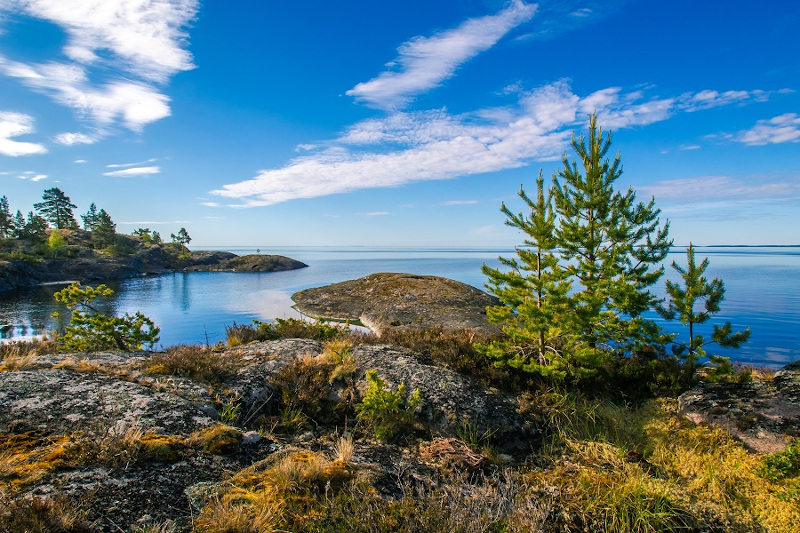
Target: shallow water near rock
(762, 292)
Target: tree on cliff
(90, 218)
(697, 291)
(104, 233)
(181, 238)
(57, 208)
(608, 246)
(6, 219)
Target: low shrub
(389, 413)
(289, 328)
(197, 362)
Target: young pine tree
(613, 246)
(693, 304)
(6, 219)
(533, 289)
(575, 298)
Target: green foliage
(6, 219)
(181, 238)
(104, 232)
(90, 218)
(389, 412)
(147, 236)
(90, 330)
(781, 465)
(57, 208)
(56, 243)
(693, 303)
(34, 228)
(288, 328)
(573, 298)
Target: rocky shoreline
(18, 274)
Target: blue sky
(397, 123)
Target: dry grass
(40, 514)
(200, 363)
(344, 448)
(22, 355)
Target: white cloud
(427, 61)
(154, 222)
(433, 145)
(780, 129)
(69, 139)
(39, 177)
(133, 172)
(13, 125)
(144, 39)
(460, 202)
(374, 214)
(79, 161)
(707, 99)
(126, 165)
(686, 147)
(717, 188)
(132, 103)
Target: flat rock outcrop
(246, 263)
(58, 401)
(762, 414)
(390, 300)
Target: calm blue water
(762, 292)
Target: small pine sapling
(693, 304)
(91, 330)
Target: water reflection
(196, 307)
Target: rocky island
(400, 301)
(26, 263)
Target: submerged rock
(388, 300)
(762, 414)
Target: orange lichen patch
(26, 457)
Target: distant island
(30, 262)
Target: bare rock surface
(58, 401)
(387, 300)
(762, 414)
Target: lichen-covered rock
(762, 414)
(387, 300)
(59, 401)
(450, 400)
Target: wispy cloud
(13, 125)
(79, 161)
(145, 40)
(30, 175)
(780, 129)
(460, 202)
(374, 214)
(716, 189)
(126, 165)
(69, 139)
(133, 172)
(433, 145)
(154, 222)
(424, 62)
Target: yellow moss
(163, 448)
(157, 369)
(218, 439)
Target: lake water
(762, 292)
